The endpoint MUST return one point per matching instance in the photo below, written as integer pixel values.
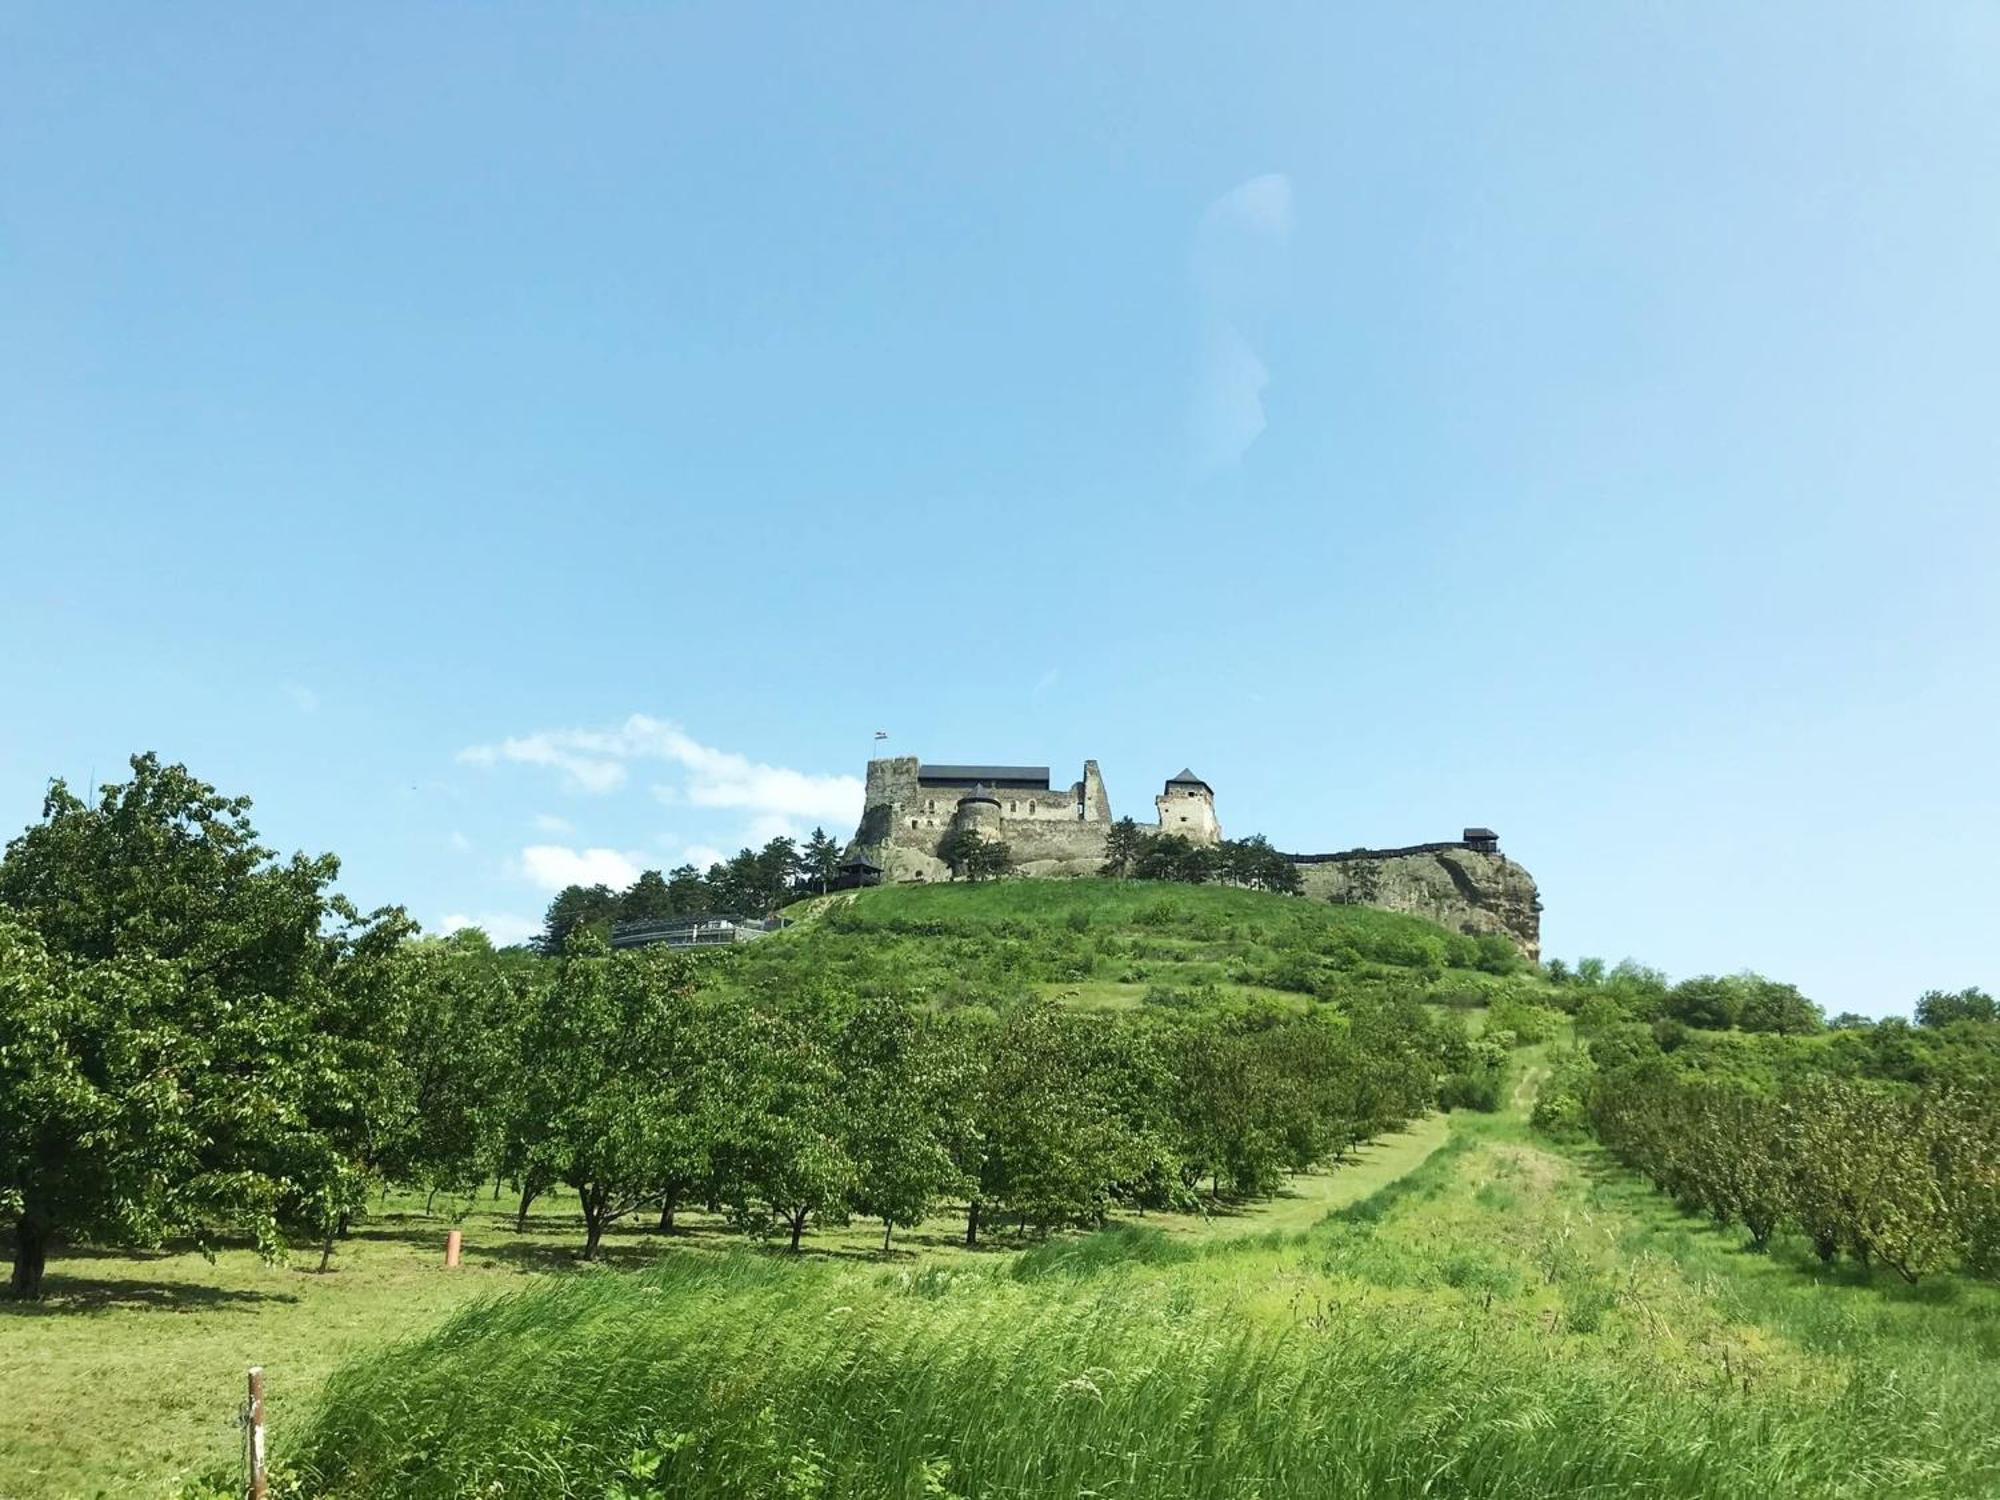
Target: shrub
(1478, 1090)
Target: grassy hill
(1120, 943)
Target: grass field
(1463, 1309)
(1496, 1317)
(1504, 1320)
(135, 1362)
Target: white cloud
(595, 760)
(1238, 267)
(459, 841)
(502, 928)
(550, 823)
(701, 856)
(304, 699)
(553, 866)
(1229, 408)
(767, 826)
(583, 773)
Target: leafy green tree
(610, 1061)
(169, 1024)
(1053, 1137)
(789, 1161)
(778, 870)
(755, 882)
(1252, 862)
(1231, 1121)
(576, 906)
(688, 894)
(645, 899)
(974, 856)
(450, 1062)
(990, 860)
(1171, 856)
(1123, 844)
(1767, 1005)
(1943, 1007)
(819, 861)
(906, 1102)
(1642, 991)
(1706, 1002)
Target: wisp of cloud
(1238, 265)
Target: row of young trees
(1907, 1178)
(199, 1039)
(642, 1087)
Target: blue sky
(513, 442)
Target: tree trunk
(667, 1214)
(972, 1224)
(31, 1254)
(429, 1200)
(521, 1219)
(886, 1227)
(346, 1223)
(326, 1250)
(496, 1190)
(798, 1228)
(593, 1224)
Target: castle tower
(1187, 807)
(978, 811)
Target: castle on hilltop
(910, 809)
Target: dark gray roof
(1014, 776)
(859, 862)
(1186, 778)
(1480, 833)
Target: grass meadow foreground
(1506, 1319)
(134, 1365)
(1462, 1308)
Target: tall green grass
(1500, 1324)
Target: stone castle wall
(1061, 832)
(1053, 832)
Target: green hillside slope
(1114, 943)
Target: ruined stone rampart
(1347, 854)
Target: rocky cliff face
(1461, 889)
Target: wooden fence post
(258, 1487)
(453, 1242)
